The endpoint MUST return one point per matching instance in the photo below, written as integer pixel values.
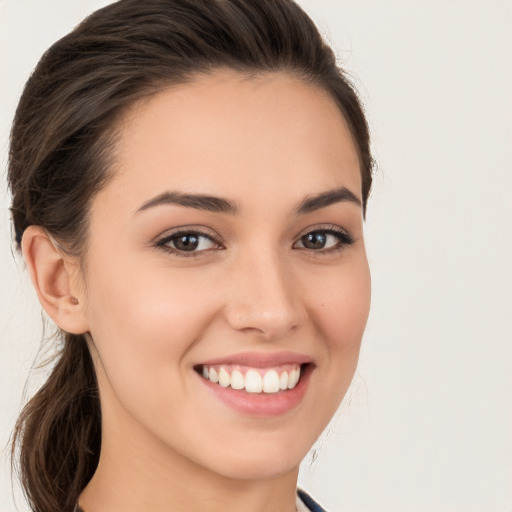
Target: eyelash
(344, 239)
(163, 242)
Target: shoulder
(309, 502)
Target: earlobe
(51, 276)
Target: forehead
(227, 134)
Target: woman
(189, 183)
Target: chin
(260, 468)
(259, 458)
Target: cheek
(342, 304)
(140, 298)
(144, 319)
(341, 310)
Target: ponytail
(58, 433)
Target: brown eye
(324, 240)
(190, 242)
(314, 240)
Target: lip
(261, 404)
(259, 359)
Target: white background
(427, 425)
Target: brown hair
(61, 154)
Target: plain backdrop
(427, 424)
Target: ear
(53, 275)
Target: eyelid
(343, 235)
(332, 228)
(161, 240)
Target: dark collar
(309, 501)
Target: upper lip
(260, 359)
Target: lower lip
(262, 404)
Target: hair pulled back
(61, 154)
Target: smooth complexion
(270, 269)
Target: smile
(256, 384)
(253, 380)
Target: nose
(264, 297)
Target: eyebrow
(197, 201)
(220, 205)
(310, 204)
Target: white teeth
(224, 378)
(213, 376)
(237, 380)
(293, 378)
(253, 382)
(283, 381)
(271, 382)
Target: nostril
(269, 310)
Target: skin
(265, 144)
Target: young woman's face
(227, 247)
